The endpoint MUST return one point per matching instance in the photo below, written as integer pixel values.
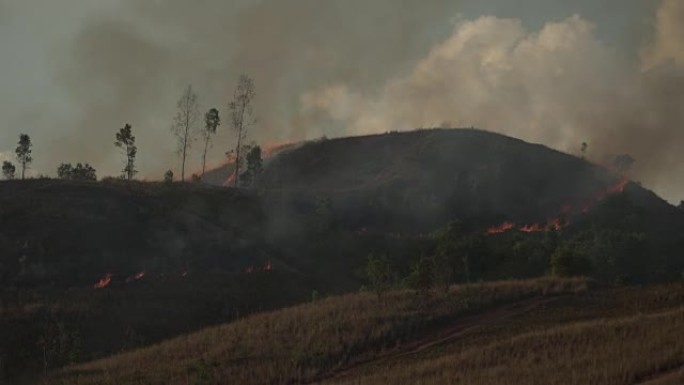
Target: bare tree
(185, 124)
(23, 152)
(126, 141)
(242, 116)
(211, 123)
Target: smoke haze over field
(553, 72)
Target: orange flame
(535, 228)
(267, 267)
(559, 222)
(104, 282)
(267, 151)
(501, 228)
(231, 179)
(136, 277)
(615, 189)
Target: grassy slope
(541, 331)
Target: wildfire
(270, 149)
(136, 277)
(501, 228)
(559, 222)
(104, 282)
(556, 224)
(618, 188)
(267, 267)
(535, 228)
(267, 151)
(231, 179)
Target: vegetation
(320, 220)
(80, 172)
(254, 166)
(304, 343)
(211, 122)
(8, 170)
(24, 153)
(618, 351)
(126, 141)
(378, 274)
(242, 117)
(184, 125)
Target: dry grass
(623, 351)
(298, 344)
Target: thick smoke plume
(132, 68)
(559, 86)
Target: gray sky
(74, 71)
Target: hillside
(387, 189)
(419, 180)
(70, 233)
(527, 332)
(90, 269)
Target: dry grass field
(545, 331)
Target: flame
(104, 282)
(615, 189)
(267, 267)
(267, 151)
(136, 277)
(231, 179)
(501, 228)
(271, 149)
(535, 228)
(554, 224)
(560, 222)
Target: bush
(422, 277)
(567, 261)
(168, 176)
(378, 274)
(79, 172)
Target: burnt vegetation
(89, 269)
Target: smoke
(559, 86)
(353, 67)
(6, 156)
(669, 36)
(130, 66)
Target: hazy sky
(556, 72)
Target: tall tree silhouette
(126, 141)
(24, 153)
(211, 122)
(185, 124)
(242, 117)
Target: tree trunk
(204, 157)
(237, 161)
(239, 145)
(183, 165)
(23, 170)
